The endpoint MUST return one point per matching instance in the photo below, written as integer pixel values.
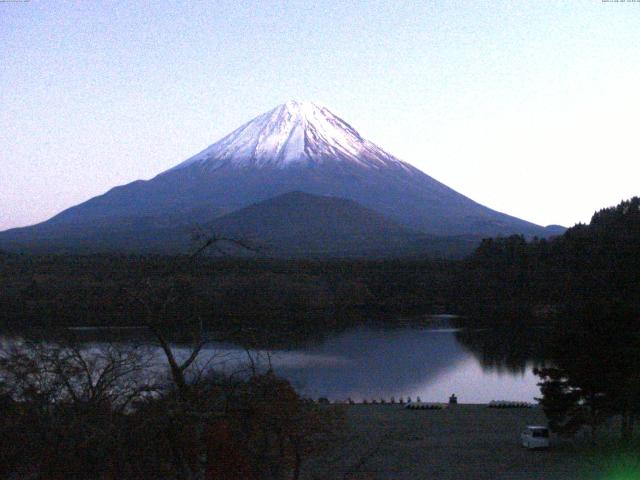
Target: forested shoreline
(505, 279)
(227, 295)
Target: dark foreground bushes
(102, 413)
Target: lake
(367, 363)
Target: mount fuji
(296, 147)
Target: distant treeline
(505, 278)
(222, 294)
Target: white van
(535, 436)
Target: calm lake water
(367, 363)
(432, 363)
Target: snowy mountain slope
(292, 133)
(297, 146)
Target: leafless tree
(70, 398)
(63, 370)
(160, 299)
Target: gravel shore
(459, 442)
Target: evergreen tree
(596, 373)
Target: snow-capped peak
(293, 133)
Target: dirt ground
(462, 442)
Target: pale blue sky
(530, 108)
